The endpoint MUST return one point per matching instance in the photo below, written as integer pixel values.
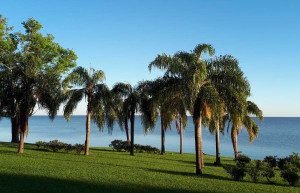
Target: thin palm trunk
(14, 130)
(198, 144)
(132, 132)
(234, 141)
(88, 125)
(218, 159)
(180, 125)
(162, 137)
(127, 130)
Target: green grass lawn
(105, 170)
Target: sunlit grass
(105, 170)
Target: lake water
(277, 136)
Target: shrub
(243, 159)
(295, 159)
(268, 172)
(79, 148)
(271, 160)
(237, 172)
(56, 146)
(120, 145)
(254, 170)
(39, 144)
(290, 174)
(281, 162)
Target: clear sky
(123, 37)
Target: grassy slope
(107, 171)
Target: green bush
(79, 148)
(242, 159)
(56, 146)
(268, 172)
(294, 159)
(271, 160)
(281, 162)
(120, 145)
(237, 172)
(290, 174)
(254, 170)
(39, 144)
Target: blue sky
(123, 37)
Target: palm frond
(76, 96)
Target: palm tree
(241, 120)
(98, 96)
(231, 89)
(160, 100)
(120, 91)
(190, 69)
(130, 105)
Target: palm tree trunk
(87, 140)
(14, 130)
(23, 130)
(234, 141)
(88, 124)
(180, 125)
(163, 152)
(21, 144)
(132, 132)
(198, 144)
(127, 130)
(218, 159)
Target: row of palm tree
(212, 89)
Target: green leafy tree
(9, 76)
(38, 64)
(100, 106)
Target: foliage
(281, 162)
(254, 170)
(268, 172)
(57, 146)
(289, 174)
(120, 145)
(294, 159)
(238, 172)
(271, 160)
(243, 159)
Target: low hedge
(58, 146)
(120, 145)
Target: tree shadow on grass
(105, 150)
(26, 183)
(209, 176)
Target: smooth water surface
(277, 136)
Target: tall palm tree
(98, 96)
(120, 91)
(160, 100)
(190, 69)
(130, 106)
(231, 88)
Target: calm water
(278, 136)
